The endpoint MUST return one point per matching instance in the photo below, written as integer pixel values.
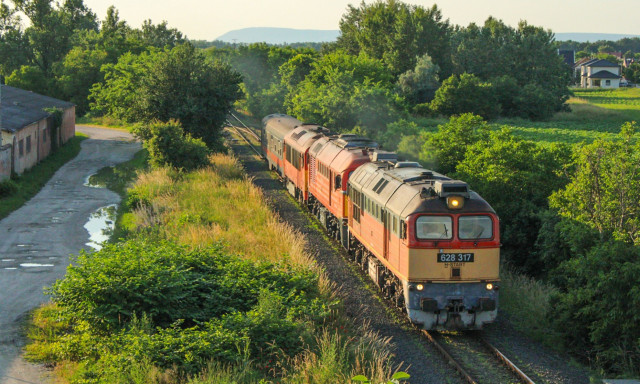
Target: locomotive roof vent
(386, 156)
(444, 188)
(407, 164)
(354, 141)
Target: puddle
(8, 260)
(12, 268)
(94, 181)
(35, 265)
(24, 245)
(100, 226)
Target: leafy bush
(168, 283)
(466, 93)
(597, 313)
(516, 177)
(169, 145)
(447, 147)
(8, 187)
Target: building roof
(601, 63)
(20, 108)
(604, 75)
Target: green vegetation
(14, 193)
(168, 145)
(201, 293)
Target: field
(594, 114)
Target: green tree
(76, 74)
(420, 84)
(181, 84)
(465, 93)
(600, 302)
(344, 91)
(605, 189)
(396, 33)
(446, 148)
(516, 177)
(118, 95)
(169, 145)
(14, 46)
(29, 78)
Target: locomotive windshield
(475, 227)
(434, 227)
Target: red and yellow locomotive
(428, 242)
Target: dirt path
(38, 238)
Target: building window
(45, 131)
(608, 82)
(21, 148)
(29, 144)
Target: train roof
(304, 136)
(408, 190)
(280, 124)
(342, 152)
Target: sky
(208, 19)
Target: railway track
(476, 360)
(246, 130)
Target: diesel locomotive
(429, 243)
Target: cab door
(386, 225)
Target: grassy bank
(208, 287)
(28, 184)
(104, 122)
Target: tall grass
(217, 204)
(526, 301)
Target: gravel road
(38, 238)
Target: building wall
(44, 140)
(68, 129)
(5, 162)
(27, 139)
(39, 135)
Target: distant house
(568, 56)
(27, 129)
(598, 73)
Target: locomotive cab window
(434, 227)
(475, 227)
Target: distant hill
(591, 37)
(278, 35)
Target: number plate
(455, 257)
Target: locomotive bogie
(441, 306)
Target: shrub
(7, 188)
(466, 93)
(169, 145)
(598, 313)
(168, 283)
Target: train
(428, 242)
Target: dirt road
(37, 239)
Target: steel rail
(245, 139)
(494, 351)
(244, 125)
(466, 375)
(523, 376)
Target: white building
(598, 73)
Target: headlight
(419, 287)
(455, 202)
(489, 286)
